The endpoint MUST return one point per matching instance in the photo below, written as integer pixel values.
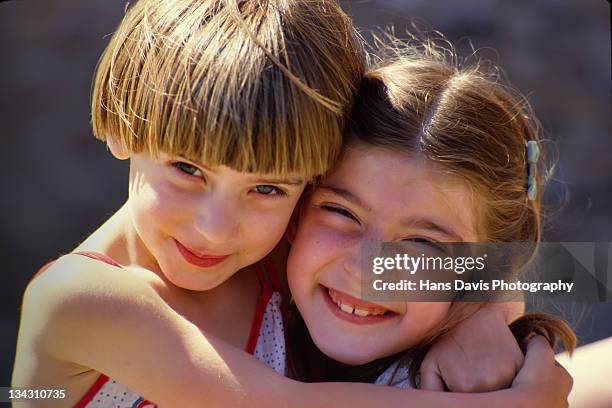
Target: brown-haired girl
(434, 153)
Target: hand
(479, 355)
(542, 382)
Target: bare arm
(126, 331)
(480, 354)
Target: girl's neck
(118, 239)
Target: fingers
(566, 378)
(543, 380)
(517, 357)
(566, 381)
(539, 362)
(538, 351)
(431, 379)
(470, 373)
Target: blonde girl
(225, 110)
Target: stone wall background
(58, 183)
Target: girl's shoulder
(81, 317)
(77, 293)
(79, 276)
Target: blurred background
(59, 183)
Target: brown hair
(260, 86)
(420, 100)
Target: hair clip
(533, 154)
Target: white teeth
(361, 313)
(353, 310)
(346, 308)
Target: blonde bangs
(257, 88)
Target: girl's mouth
(197, 259)
(354, 310)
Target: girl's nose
(217, 220)
(352, 261)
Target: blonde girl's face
(375, 195)
(203, 224)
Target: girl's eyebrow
(192, 162)
(346, 194)
(428, 224)
(289, 181)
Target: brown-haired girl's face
(379, 195)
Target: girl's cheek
(425, 316)
(305, 255)
(318, 243)
(331, 232)
(163, 201)
(265, 222)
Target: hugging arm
(480, 354)
(541, 383)
(126, 331)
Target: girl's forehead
(403, 187)
(385, 169)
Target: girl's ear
(117, 149)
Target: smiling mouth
(200, 260)
(355, 309)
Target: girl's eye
(340, 211)
(268, 190)
(188, 169)
(437, 246)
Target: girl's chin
(346, 349)
(348, 358)
(191, 281)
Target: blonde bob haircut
(259, 86)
